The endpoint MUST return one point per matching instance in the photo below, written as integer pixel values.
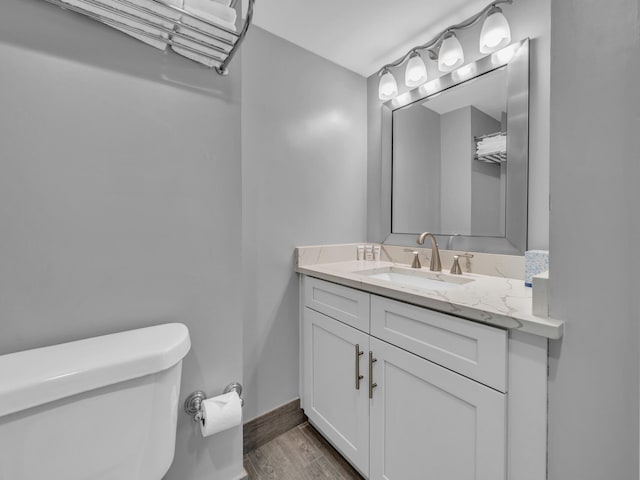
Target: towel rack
(222, 56)
(499, 157)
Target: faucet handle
(416, 257)
(455, 268)
(416, 260)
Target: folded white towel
(194, 34)
(210, 10)
(157, 7)
(489, 152)
(489, 141)
(498, 139)
(206, 49)
(493, 144)
(159, 44)
(179, 41)
(491, 149)
(226, 3)
(206, 28)
(194, 56)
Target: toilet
(104, 408)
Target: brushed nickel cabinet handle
(358, 376)
(371, 384)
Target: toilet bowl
(104, 408)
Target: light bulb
(388, 87)
(464, 72)
(416, 72)
(504, 55)
(451, 55)
(495, 32)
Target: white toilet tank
(104, 408)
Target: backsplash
(507, 266)
(317, 254)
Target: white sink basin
(415, 278)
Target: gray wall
(593, 391)
(120, 202)
(303, 182)
(528, 18)
(376, 227)
(416, 170)
(455, 172)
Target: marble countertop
(498, 301)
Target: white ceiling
(361, 35)
(487, 93)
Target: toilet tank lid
(35, 377)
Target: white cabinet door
(333, 402)
(429, 423)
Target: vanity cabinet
(407, 393)
(337, 401)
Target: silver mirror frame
(514, 242)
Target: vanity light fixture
(416, 72)
(447, 50)
(388, 88)
(495, 31)
(451, 55)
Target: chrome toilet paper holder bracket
(193, 403)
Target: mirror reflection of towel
(493, 144)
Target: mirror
(440, 182)
(458, 155)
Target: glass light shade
(416, 72)
(388, 88)
(495, 32)
(451, 55)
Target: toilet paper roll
(220, 413)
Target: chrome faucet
(436, 265)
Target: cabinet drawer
(476, 351)
(342, 303)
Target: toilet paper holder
(193, 403)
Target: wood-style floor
(299, 454)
